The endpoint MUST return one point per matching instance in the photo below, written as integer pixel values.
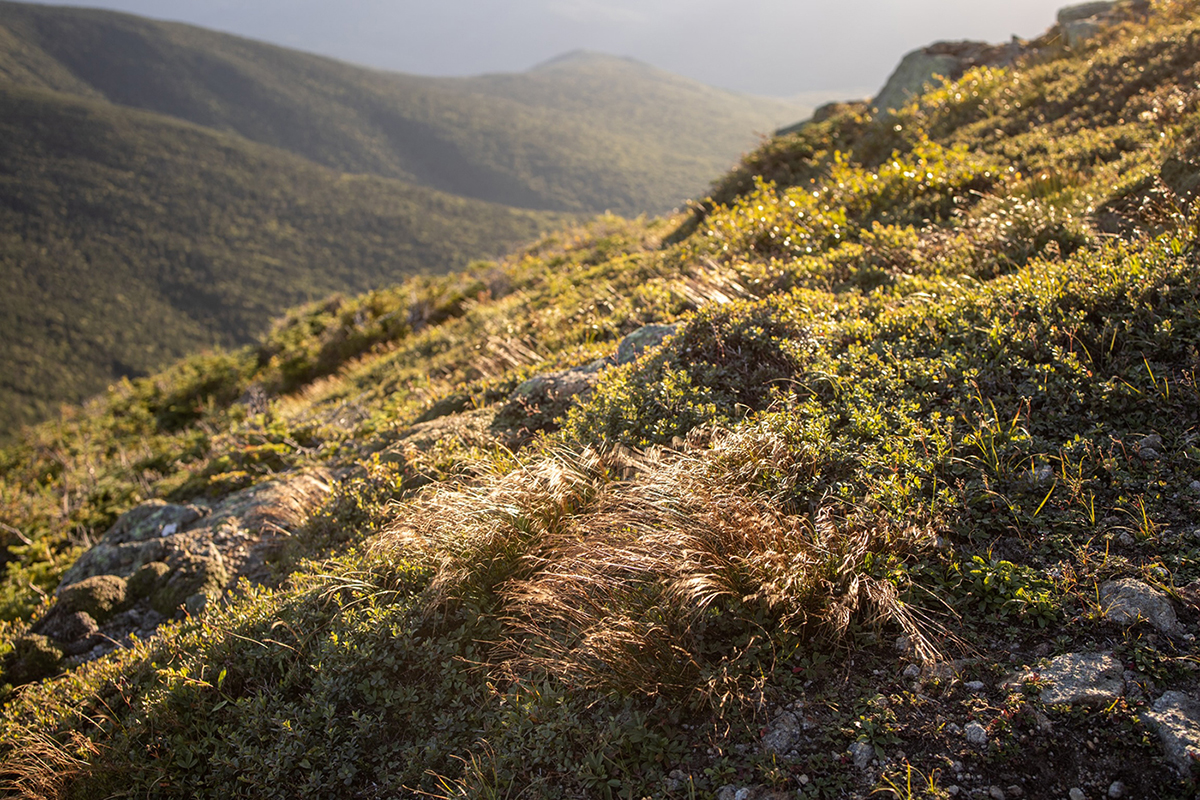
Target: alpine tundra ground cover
(930, 408)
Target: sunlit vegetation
(931, 385)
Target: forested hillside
(585, 134)
(129, 239)
(877, 474)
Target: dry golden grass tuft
(607, 568)
(42, 768)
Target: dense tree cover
(128, 239)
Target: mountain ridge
(481, 137)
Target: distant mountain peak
(581, 57)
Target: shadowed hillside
(129, 239)
(585, 134)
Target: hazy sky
(769, 47)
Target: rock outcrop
(942, 60)
(160, 560)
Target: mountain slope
(584, 135)
(876, 477)
(129, 239)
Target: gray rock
(1079, 33)
(641, 340)
(1079, 24)
(1116, 790)
(1195, 486)
(862, 753)
(560, 385)
(912, 671)
(916, 71)
(1149, 454)
(1077, 794)
(950, 60)
(1083, 678)
(1176, 716)
(996, 793)
(975, 734)
(1127, 601)
(99, 596)
(1074, 13)
(974, 686)
(67, 626)
(782, 735)
(1153, 441)
(731, 792)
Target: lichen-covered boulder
(190, 574)
(34, 657)
(641, 340)
(147, 580)
(100, 596)
(136, 538)
(67, 626)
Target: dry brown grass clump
(631, 573)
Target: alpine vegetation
(875, 473)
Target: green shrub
(725, 361)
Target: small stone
(953, 729)
(1148, 454)
(953, 790)
(1084, 678)
(1077, 794)
(903, 644)
(1015, 791)
(782, 735)
(1153, 442)
(862, 753)
(975, 734)
(1125, 539)
(1195, 487)
(912, 671)
(996, 793)
(1116, 790)
(975, 686)
(1177, 718)
(645, 337)
(1127, 601)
